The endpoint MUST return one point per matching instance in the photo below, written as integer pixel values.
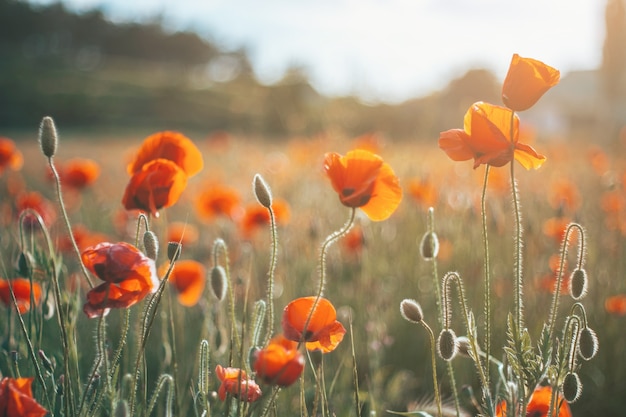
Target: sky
(381, 50)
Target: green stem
(434, 365)
(487, 277)
(270, 277)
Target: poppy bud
(465, 347)
(447, 345)
(429, 246)
(587, 343)
(572, 388)
(151, 244)
(219, 283)
(48, 138)
(173, 251)
(411, 310)
(262, 191)
(578, 284)
(25, 264)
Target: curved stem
(332, 238)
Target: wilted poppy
(486, 137)
(79, 173)
(16, 399)
(256, 216)
(616, 305)
(128, 277)
(362, 179)
(188, 277)
(10, 156)
(172, 146)
(156, 185)
(539, 404)
(526, 81)
(236, 383)
(323, 330)
(280, 363)
(22, 290)
(217, 200)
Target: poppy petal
(454, 143)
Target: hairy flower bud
(219, 283)
(429, 246)
(48, 138)
(173, 251)
(572, 388)
(587, 343)
(411, 310)
(447, 345)
(151, 244)
(578, 284)
(262, 191)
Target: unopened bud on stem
(48, 138)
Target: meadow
(160, 354)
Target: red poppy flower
(35, 201)
(10, 156)
(564, 195)
(256, 216)
(22, 290)
(354, 241)
(16, 399)
(172, 146)
(280, 363)
(158, 184)
(526, 81)
(323, 331)
(616, 305)
(127, 273)
(362, 179)
(486, 137)
(79, 173)
(188, 277)
(538, 405)
(217, 200)
(236, 383)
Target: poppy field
(184, 274)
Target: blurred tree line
(89, 72)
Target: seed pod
(578, 284)
(411, 310)
(262, 191)
(572, 388)
(587, 343)
(219, 283)
(151, 244)
(173, 251)
(48, 138)
(429, 246)
(447, 345)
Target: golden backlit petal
(528, 157)
(172, 146)
(386, 195)
(526, 81)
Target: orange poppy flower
(354, 241)
(172, 146)
(616, 305)
(564, 195)
(256, 216)
(79, 173)
(217, 200)
(10, 156)
(423, 192)
(486, 137)
(539, 404)
(22, 290)
(362, 179)
(280, 363)
(128, 277)
(526, 81)
(158, 184)
(236, 383)
(555, 228)
(323, 331)
(16, 398)
(184, 233)
(188, 277)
